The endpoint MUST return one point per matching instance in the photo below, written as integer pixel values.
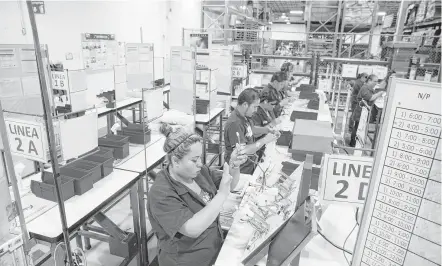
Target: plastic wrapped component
(120, 145)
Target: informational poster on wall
(100, 51)
(139, 65)
(344, 179)
(401, 223)
(182, 79)
(349, 71)
(201, 41)
(19, 79)
(221, 61)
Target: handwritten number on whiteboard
(343, 189)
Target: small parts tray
(93, 167)
(106, 164)
(82, 179)
(47, 191)
(136, 136)
(105, 152)
(120, 145)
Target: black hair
(361, 75)
(177, 142)
(285, 67)
(248, 96)
(279, 76)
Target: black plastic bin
(82, 179)
(47, 191)
(105, 152)
(107, 164)
(120, 145)
(88, 166)
(136, 136)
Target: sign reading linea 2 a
(26, 139)
(345, 179)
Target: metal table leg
(136, 220)
(204, 143)
(220, 159)
(142, 214)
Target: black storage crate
(83, 181)
(120, 145)
(88, 166)
(106, 164)
(47, 191)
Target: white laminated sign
(26, 139)
(401, 222)
(344, 179)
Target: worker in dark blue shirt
(185, 201)
(240, 129)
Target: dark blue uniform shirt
(170, 205)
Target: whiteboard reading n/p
(402, 214)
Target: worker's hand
(284, 102)
(269, 138)
(224, 186)
(238, 156)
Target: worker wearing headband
(240, 129)
(185, 201)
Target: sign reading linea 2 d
(345, 179)
(26, 139)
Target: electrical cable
(333, 244)
(354, 227)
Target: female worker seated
(240, 129)
(185, 201)
(368, 94)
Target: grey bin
(47, 191)
(105, 152)
(82, 179)
(88, 166)
(136, 136)
(107, 164)
(119, 144)
(123, 248)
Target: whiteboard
(402, 214)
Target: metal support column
(374, 22)
(308, 13)
(49, 131)
(401, 16)
(338, 22)
(226, 21)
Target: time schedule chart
(404, 225)
(401, 224)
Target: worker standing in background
(368, 94)
(240, 129)
(361, 79)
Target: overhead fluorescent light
(382, 13)
(297, 12)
